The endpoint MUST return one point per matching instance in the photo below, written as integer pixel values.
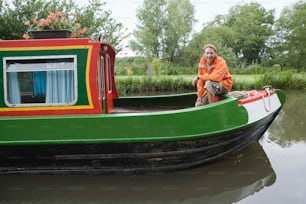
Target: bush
(139, 66)
(287, 79)
(156, 64)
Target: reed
(138, 85)
(144, 84)
(286, 79)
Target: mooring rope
(269, 99)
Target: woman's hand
(194, 81)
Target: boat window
(109, 74)
(102, 93)
(40, 81)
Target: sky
(124, 11)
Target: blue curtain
(60, 86)
(39, 80)
(13, 88)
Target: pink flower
(74, 35)
(64, 21)
(75, 16)
(26, 36)
(34, 21)
(27, 23)
(82, 31)
(78, 26)
(57, 20)
(44, 22)
(60, 13)
(52, 17)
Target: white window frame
(32, 69)
(109, 75)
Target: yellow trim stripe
(45, 108)
(87, 77)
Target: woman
(213, 76)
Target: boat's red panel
(94, 105)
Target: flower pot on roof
(43, 34)
(56, 25)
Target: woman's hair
(210, 46)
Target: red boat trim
(254, 96)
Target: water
(272, 170)
(285, 146)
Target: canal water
(272, 170)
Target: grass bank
(130, 85)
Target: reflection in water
(289, 125)
(225, 181)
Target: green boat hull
(183, 124)
(129, 142)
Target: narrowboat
(60, 112)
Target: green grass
(245, 78)
(139, 84)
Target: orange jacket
(218, 72)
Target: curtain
(39, 81)
(13, 88)
(60, 86)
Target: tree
(253, 27)
(290, 40)
(164, 28)
(98, 21)
(240, 36)
(149, 33)
(14, 14)
(92, 16)
(178, 25)
(219, 35)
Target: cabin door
(106, 84)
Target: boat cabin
(56, 77)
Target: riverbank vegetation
(135, 75)
(145, 85)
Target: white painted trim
(259, 109)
